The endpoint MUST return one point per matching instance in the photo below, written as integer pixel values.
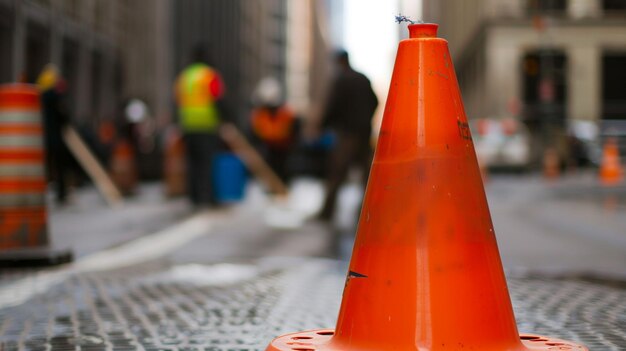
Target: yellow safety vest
(197, 89)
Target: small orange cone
(551, 164)
(425, 272)
(123, 167)
(611, 171)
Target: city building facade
(548, 62)
(110, 51)
(245, 41)
(80, 37)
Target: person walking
(199, 87)
(348, 112)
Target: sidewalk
(87, 225)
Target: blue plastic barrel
(229, 178)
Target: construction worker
(198, 89)
(55, 117)
(273, 123)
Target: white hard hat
(268, 92)
(136, 111)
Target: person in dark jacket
(55, 119)
(348, 112)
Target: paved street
(564, 227)
(155, 276)
(560, 227)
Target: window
(548, 7)
(544, 85)
(69, 70)
(37, 51)
(614, 85)
(614, 5)
(6, 47)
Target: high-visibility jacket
(275, 128)
(198, 87)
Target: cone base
(318, 340)
(34, 257)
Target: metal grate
(146, 308)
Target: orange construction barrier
(23, 216)
(174, 169)
(611, 172)
(425, 272)
(123, 167)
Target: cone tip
(423, 30)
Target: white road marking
(137, 251)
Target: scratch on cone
(425, 272)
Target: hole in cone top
(423, 30)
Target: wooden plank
(94, 169)
(252, 159)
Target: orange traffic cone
(551, 164)
(611, 172)
(123, 167)
(425, 272)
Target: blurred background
(543, 83)
(553, 70)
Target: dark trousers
(351, 150)
(58, 163)
(200, 148)
(277, 160)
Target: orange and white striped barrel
(22, 169)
